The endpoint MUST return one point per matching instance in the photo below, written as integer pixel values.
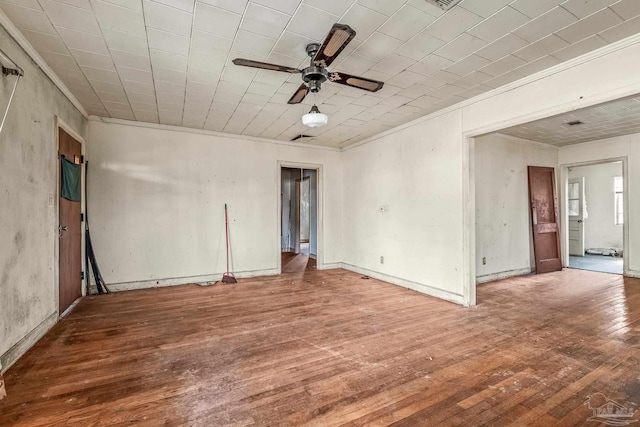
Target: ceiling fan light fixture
(314, 118)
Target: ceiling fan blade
(300, 94)
(265, 65)
(354, 81)
(335, 42)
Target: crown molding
(587, 57)
(182, 129)
(15, 33)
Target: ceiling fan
(322, 55)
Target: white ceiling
(169, 61)
(616, 118)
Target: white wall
(156, 201)
(403, 200)
(600, 229)
(424, 172)
(627, 147)
(28, 177)
(503, 217)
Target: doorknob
(580, 221)
(61, 229)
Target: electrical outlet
(484, 260)
(381, 259)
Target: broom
(227, 277)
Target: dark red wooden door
(70, 232)
(544, 219)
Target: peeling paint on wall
(28, 176)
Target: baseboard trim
(632, 273)
(21, 347)
(330, 266)
(504, 275)
(176, 281)
(419, 287)
(313, 256)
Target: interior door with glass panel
(577, 216)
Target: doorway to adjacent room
(299, 219)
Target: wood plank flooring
(328, 348)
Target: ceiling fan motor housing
(314, 76)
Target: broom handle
(226, 226)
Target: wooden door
(576, 212)
(544, 219)
(69, 231)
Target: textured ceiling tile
(485, 8)
(533, 9)
(499, 25)
(66, 16)
(46, 42)
(545, 24)
(406, 23)
(627, 9)
(378, 46)
(27, 18)
(126, 42)
(264, 21)
(452, 24)
(119, 18)
(584, 8)
(586, 27)
(186, 5)
(168, 42)
(167, 18)
(462, 46)
(216, 21)
(364, 21)
(235, 6)
(334, 7)
(420, 46)
(149, 63)
(311, 22)
(501, 47)
(386, 7)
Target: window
(619, 200)
(574, 199)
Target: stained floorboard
(328, 348)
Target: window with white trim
(619, 199)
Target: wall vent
(575, 123)
(444, 4)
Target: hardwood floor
(296, 263)
(327, 348)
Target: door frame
(60, 124)
(298, 215)
(580, 216)
(564, 207)
(320, 214)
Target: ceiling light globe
(315, 118)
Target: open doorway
(299, 218)
(595, 214)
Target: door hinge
(82, 275)
(81, 159)
(81, 216)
